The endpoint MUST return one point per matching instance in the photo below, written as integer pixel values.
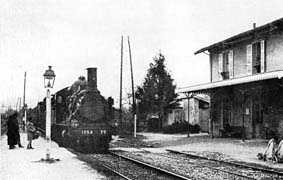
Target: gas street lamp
(49, 78)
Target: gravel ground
(95, 164)
(129, 168)
(125, 167)
(222, 148)
(196, 168)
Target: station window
(256, 57)
(225, 70)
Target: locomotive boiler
(81, 116)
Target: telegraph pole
(121, 84)
(20, 104)
(24, 103)
(17, 104)
(133, 92)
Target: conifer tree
(157, 94)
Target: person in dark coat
(13, 131)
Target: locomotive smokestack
(92, 79)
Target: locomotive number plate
(86, 132)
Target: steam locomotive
(82, 118)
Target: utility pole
(20, 104)
(133, 92)
(24, 104)
(121, 84)
(17, 104)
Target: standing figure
(18, 133)
(13, 131)
(24, 126)
(78, 90)
(31, 130)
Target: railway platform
(227, 149)
(23, 163)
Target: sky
(74, 35)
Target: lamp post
(49, 78)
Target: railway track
(150, 166)
(199, 168)
(222, 170)
(178, 165)
(128, 168)
(108, 168)
(228, 163)
(115, 172)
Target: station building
(246, 83)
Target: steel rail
(217, 169)
(114, 171)
(103, 165)
(272, 171)
(151, 166)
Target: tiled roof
(242, 36)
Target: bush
(181, 128)
(194, 129)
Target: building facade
(246, 83)
(194, 110)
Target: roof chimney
(254, 25)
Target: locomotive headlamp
(74, 123)
(49, 78)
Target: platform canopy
(230, 82)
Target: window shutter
(262, 56)
(249, 60)
(220, 66)
(231, 64)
